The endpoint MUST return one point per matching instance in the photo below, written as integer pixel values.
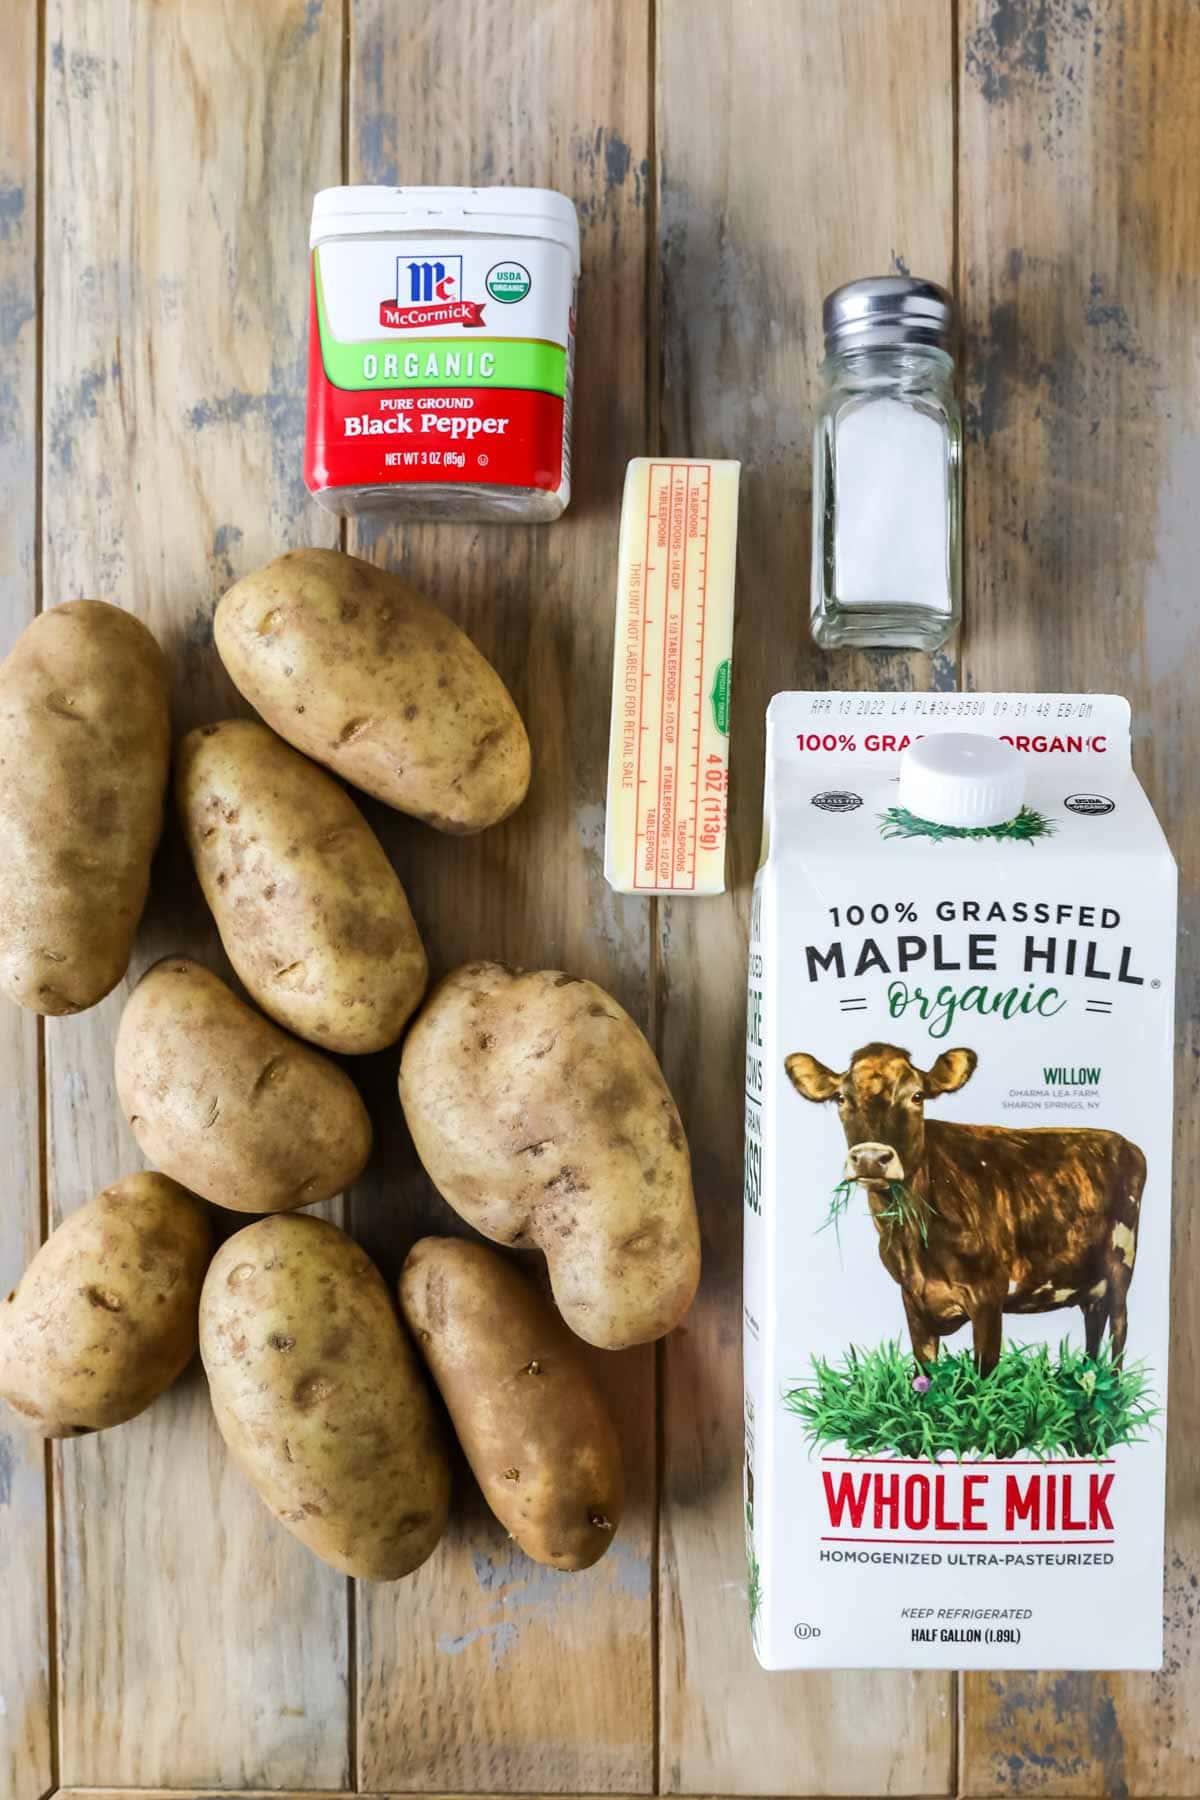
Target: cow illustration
(999, 1220)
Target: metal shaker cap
(888, 311)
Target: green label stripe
(719, 696)
(469, 359)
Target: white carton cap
(480, 212)
(962, 778)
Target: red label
(468, 313)
(512, 437)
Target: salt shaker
(887, 469)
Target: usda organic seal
(508, 282)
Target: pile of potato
(534, 1102)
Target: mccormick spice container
(441, 349)
(887, 469)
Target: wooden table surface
(732, 160)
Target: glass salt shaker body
(887, 469)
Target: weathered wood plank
(796, 154)
(25, 1692)
(197, 1641)
(1080, 258)
(485, 1671)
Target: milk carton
(957, 1197)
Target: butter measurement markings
(702, 600)
(665, 842)
(667, 809)
(677, 873)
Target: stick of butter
(668, 756)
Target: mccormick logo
(429, 292)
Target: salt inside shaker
(887, 469)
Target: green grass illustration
(1062, 1403)
(904, 1208)
(839, 1206)
(753, 1592)
(1029, 824)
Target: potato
(320, 1397)
(84, 750)
(227, 1103)
(541, 1115)
(105, 1317)
(351, 666)
(311, 913)
(530, 1418)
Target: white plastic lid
(962, 778)
(481, 212)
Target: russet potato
(541, 1115)
(84, 754)
(320, 1397)
(228, 1104)
(530, 1418)
(359, 672)
(105, 1317)
(311, 913)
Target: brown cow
(1013, 1221)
